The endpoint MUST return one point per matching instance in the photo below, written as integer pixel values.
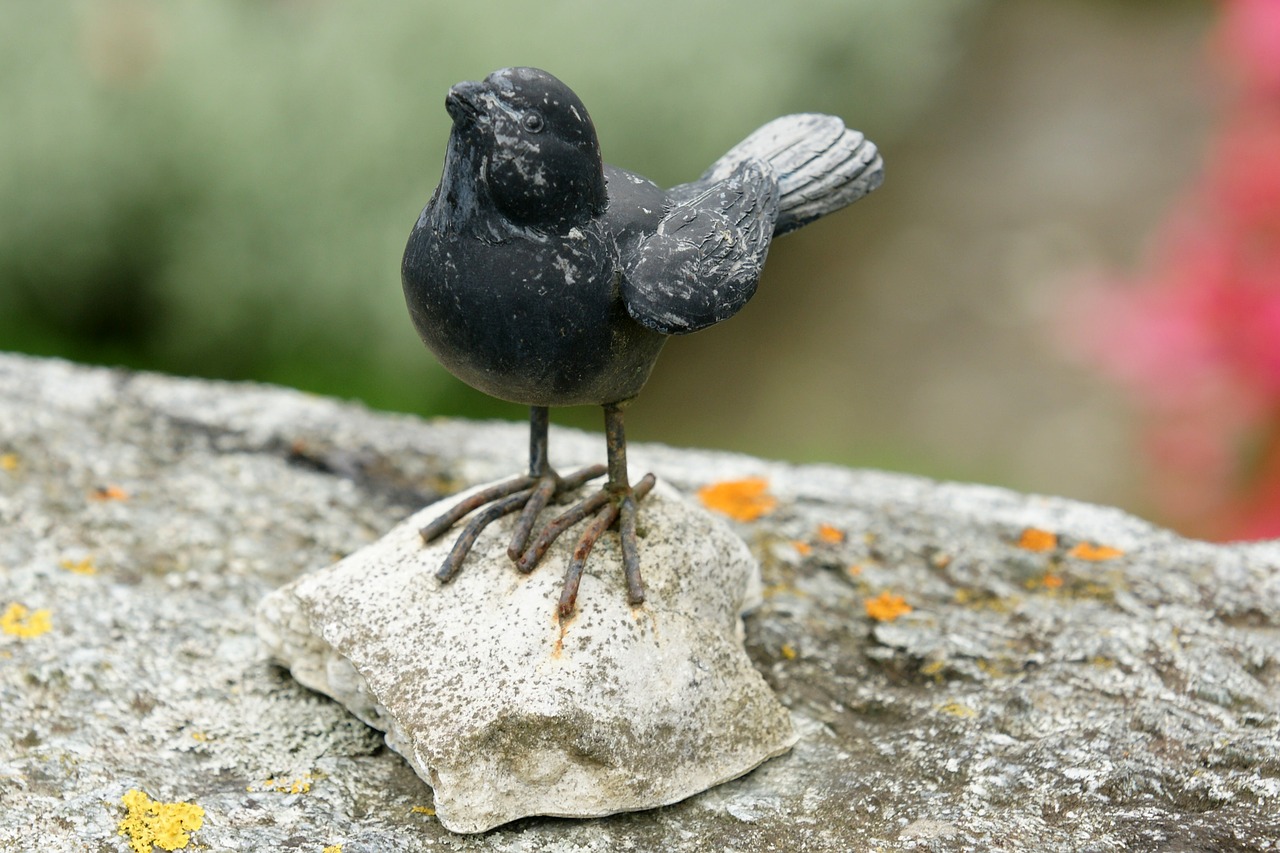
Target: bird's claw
(530, 495)
(617, 507)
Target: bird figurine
(540, 275)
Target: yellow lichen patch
(201, 737)
(109, 493)
(979, 599)
(830, 535)
(741, 500)
(772, 589)
(164, 825)
(18, 621)
(958, 709)
(333, 848)
(80, 567)
(1094, 553)
(301, 785)
(8, 462)
(426, 810)
(933, 667)
(886, 607)
(804, 549)
(1034, 539)
(788, 651)
(998, 668)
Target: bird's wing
(702, 263)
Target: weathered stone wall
(1066, 678)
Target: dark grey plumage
(540, 275)
(527, 217)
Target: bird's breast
(532, 319)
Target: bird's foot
(607, 506)
(530, 495)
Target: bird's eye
(532, 122)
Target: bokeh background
(224, 190)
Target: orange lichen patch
(741, 500)
(940, 560)
(1051, 581)
(1094, 553)
(853, 571)
(164, 825)
(80, 567)
(1034, 539)
(109, 493)
(830, 535)
(8, 462)
(18, 621)
(804, 549)
(788, 651)
(886, 607)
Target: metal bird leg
(530, 493)
(615, 503)
(619, 501)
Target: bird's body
(548, 326)
(539, 275)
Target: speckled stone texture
(508, 711)
(1030, 701)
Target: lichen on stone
(148, 823)
(886, 607)
(742, 500)
(18, 621)
(282, 785)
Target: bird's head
(535, 146)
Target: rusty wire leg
(540, 468)
(437, 527)
(627, 533)
(615, 503)
(534, 552)
(538, 499)
(548, 488)
(530, 493)
(620, 508)
(472, 531)
(616, 508)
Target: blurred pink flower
(1248, 45)
(1242, 182)
(1196, 335)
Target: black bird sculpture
(540, 275)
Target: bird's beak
(463, 101)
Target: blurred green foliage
(224, 189)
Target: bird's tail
(820, 165)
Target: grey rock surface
(506, 710)
(1030, 700)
